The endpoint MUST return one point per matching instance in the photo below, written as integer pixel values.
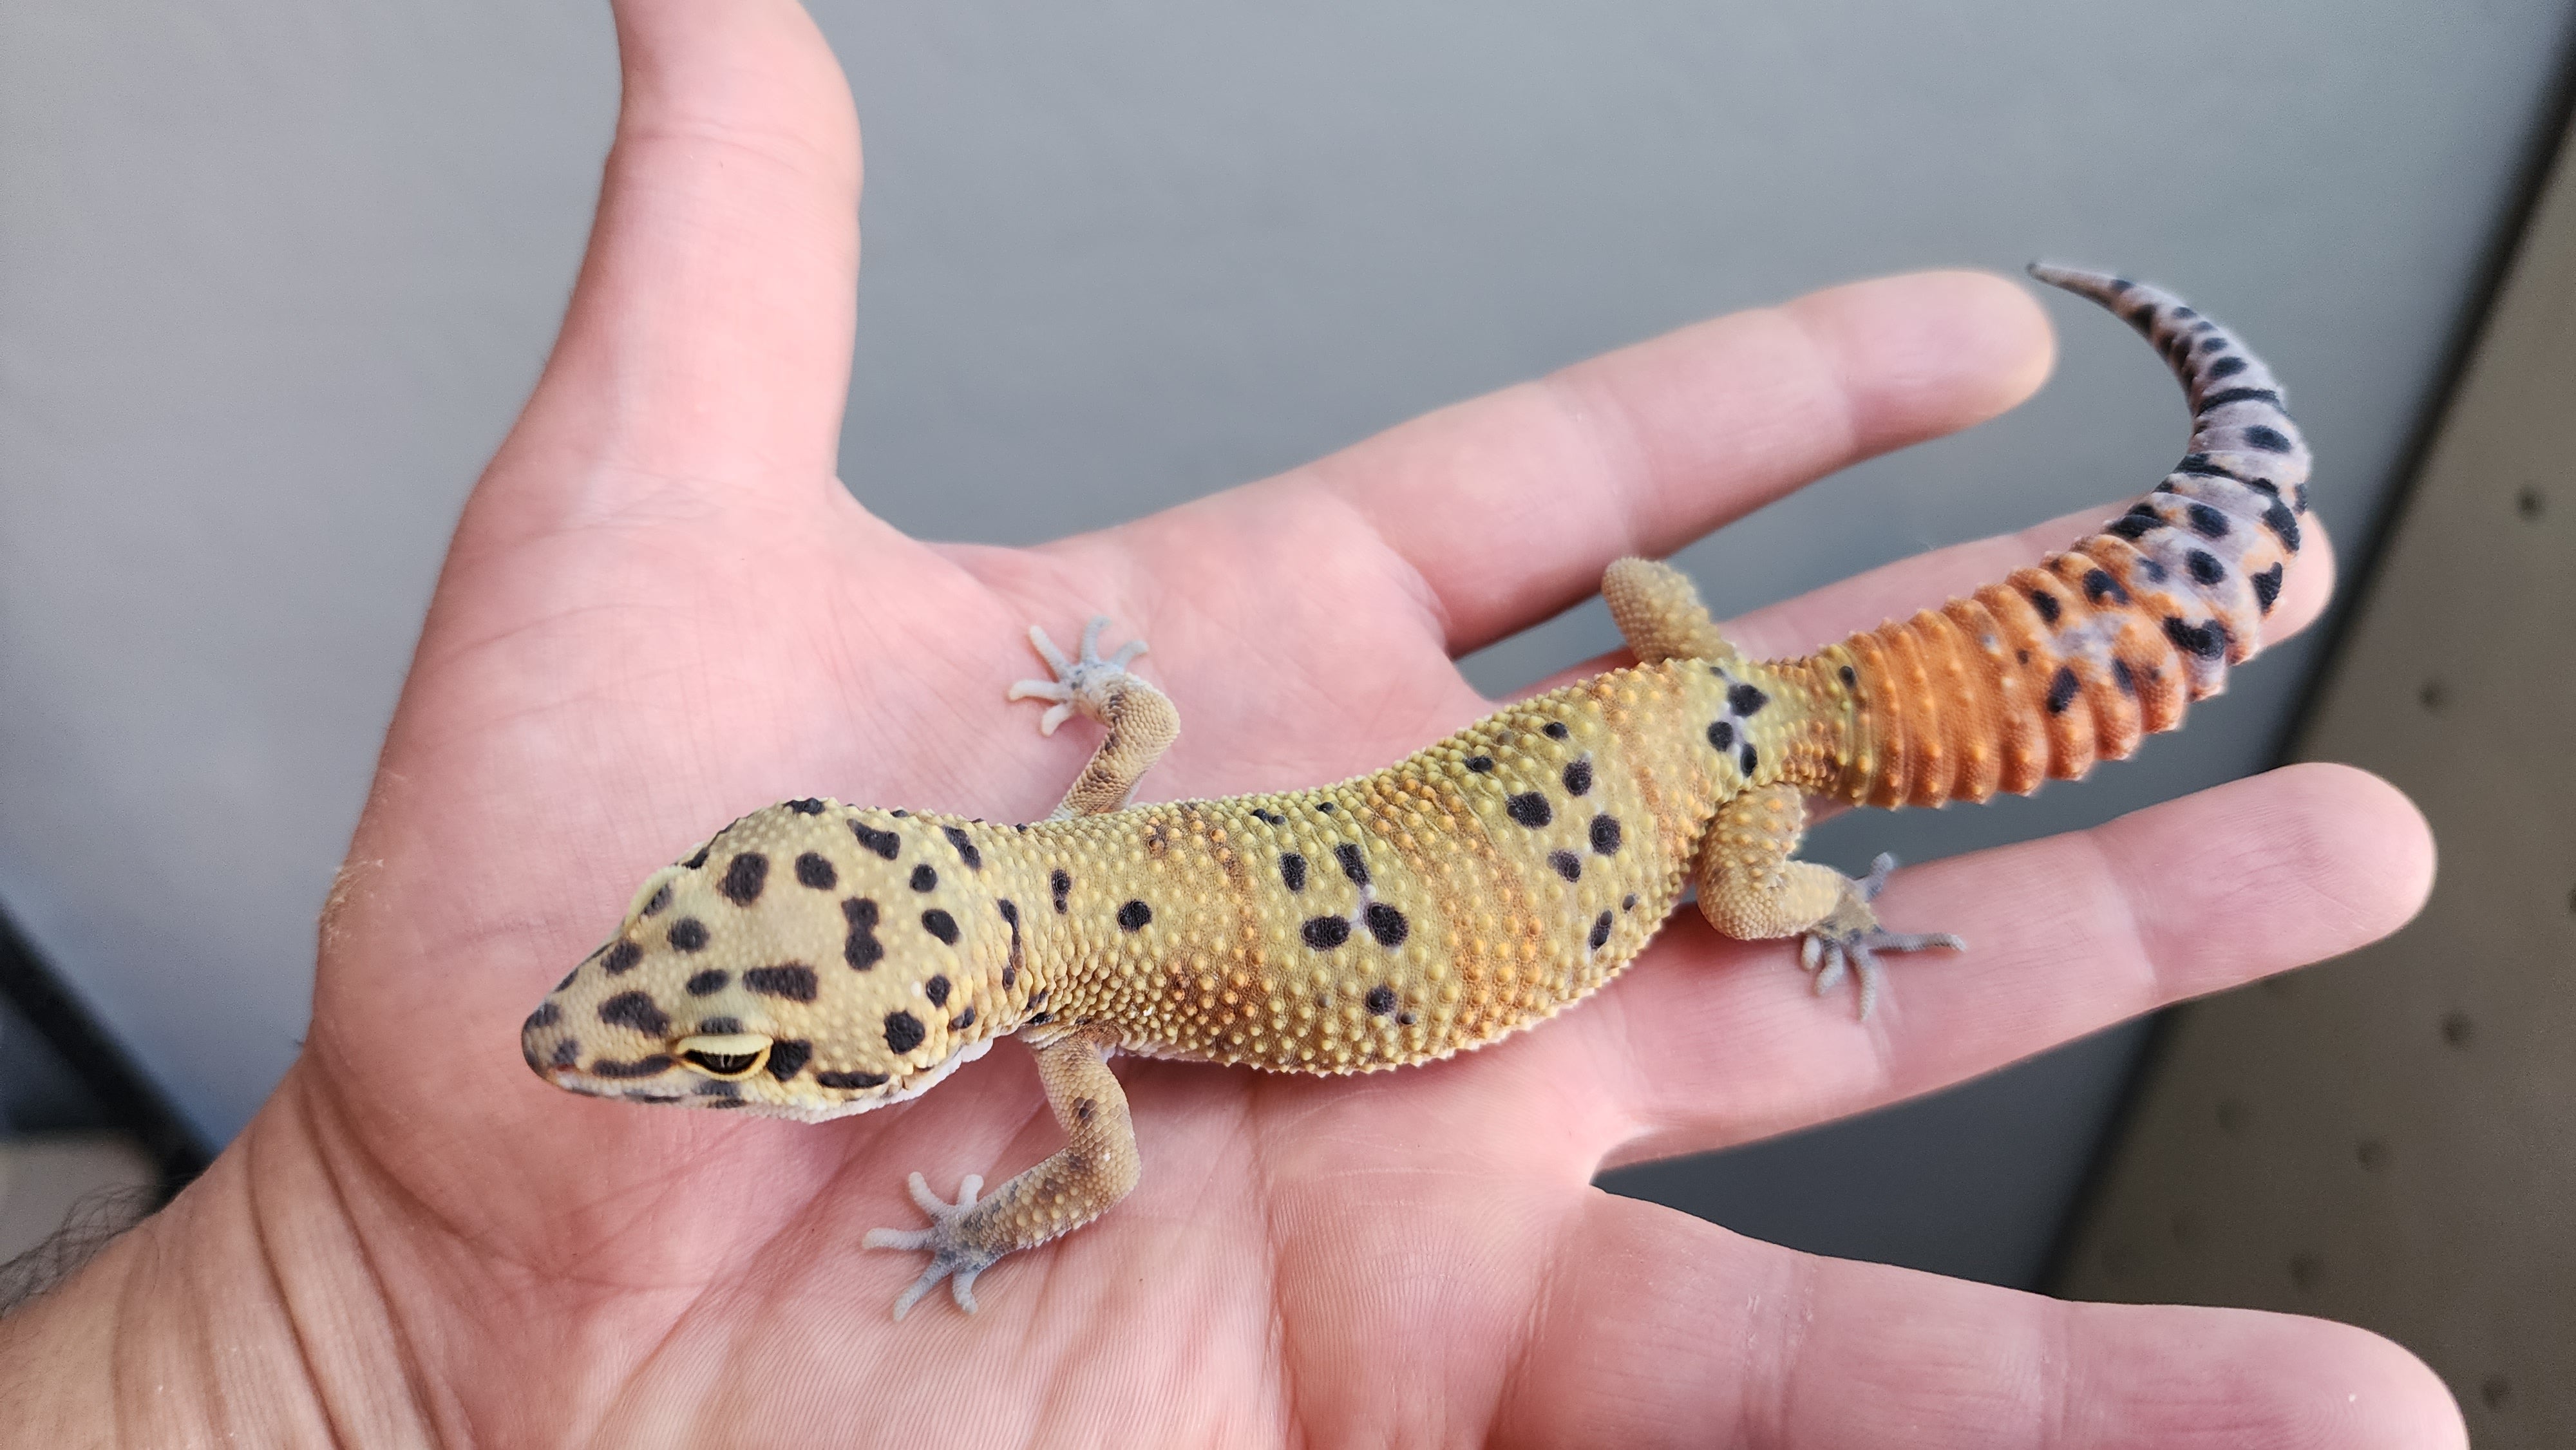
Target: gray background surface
(274, 275)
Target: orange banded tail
(2076, 660)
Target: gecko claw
(1081, 683)
(951, 1257)
(1850, 940)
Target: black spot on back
(1746, 758)
(709, 982)
(1744, 700)
(962, 1020)
(2225, 396)
(660, 898)
(903, 1031)
(2283, 524)
(1325, 806)
(1555, 730)
(1059, 883)
(940, 924)
(2208, 641)
(2204, 566)
(2061, 690)
(2207, 522)
(925, 877)
(2267, 587)
(965, 845)
(1324, 933)
(1566, 864)
(860, 948)
(1578, 777)
(2099, 585)
(850, 1079)
(635, 1010)
(2267, 440)
(699, 858)
(1605, 834)
(1292, 870)
(1600, 931)
(793, 981)
(2133, 527)
(1530, 809)
(1352, 865)
(1386, 924)
(815, 871)
(786, 1059)
(1481, 764)
(1721, 735)
(1134, 915)
(936, 989)
(2047, 605)
(1380, 1000)
(806, 807)
(2226, 367)
(884, 843)
(1851, 677)
(621, 959)
(743, 878)
(2123, 676)
(688, 934)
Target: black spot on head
(884, 843)
(635, 1010)
(719, 1026)
(2133, 527)
(1850, 677)
(1059, 882)
(2123, 676)
(940, 924)
(660, 898)
(860, 948)
(1292, 870)
(1353, 866)
(1325, 806)
(2046, 604)
(2099, 586)
(806, 807)
(621, 959)
(850, 1079)
(1010, 913)
(1566, 864)
(699, 858)
(903, 1031)
(1380, 1000)
(1134, 915)
(1628, 902)
(2284, 524)
(546, 1015)
(1324, 933)
(815, 871)
(1578, 777)
(1386, 924)
(2226, 367)
(1600, 931)
(1530, 809)
(2207, 522)
(709, 982)
(925, 877)
(1605, 834)
(567, 1052)
(2204, 567)
(2209, 641)
(786, 1059)
(965, 845)
(962, 1020)
(1555, 730)
(1746, 758)
(936, 989)
(2267, 440)
(2061, 690)
(1744, 700)
(743, 878)
(793, 981)
(652, 1066)
(2267, 587)
(899, 814)
(1721, 735)
(1481, 764)
(688, 934)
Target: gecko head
(810, 961)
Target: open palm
(662, 609)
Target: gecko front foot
(1081, 683)
(952, 1257)
(1850, 937)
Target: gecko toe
(955, 1253)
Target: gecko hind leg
(1850, 937)
(1142, 722)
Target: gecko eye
(726, 1054)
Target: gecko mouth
(726, 1055)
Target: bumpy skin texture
(816, 959)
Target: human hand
(662, 609)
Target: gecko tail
(2078, 659)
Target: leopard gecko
(816, 959)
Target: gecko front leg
(1142, 723)
(1093, 1170)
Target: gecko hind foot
(1851, 938)
(1081, 683)
(951, 1257)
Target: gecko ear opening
(725, 1055)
